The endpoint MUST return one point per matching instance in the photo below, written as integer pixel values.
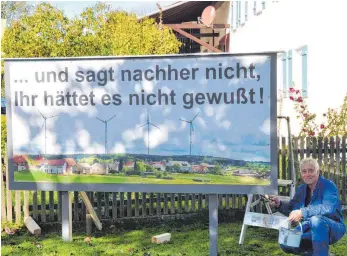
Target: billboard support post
(213, 217)
(66, 214)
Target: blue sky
(72, 8)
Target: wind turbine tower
(190, 122)
(105, 122)
(45, 124)
(148, 123)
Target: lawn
(36, 176)
(186, 240)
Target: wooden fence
(45, 207)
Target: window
(304, 71)
(290, 69)
(284, 74)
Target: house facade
(312, 50)
(20, 163)
(56, 166)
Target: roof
(19, 159)
(56, 162)
(129, 164)
(70, 161)
(182, 11)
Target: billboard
(188, 123)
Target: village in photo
(146, 169)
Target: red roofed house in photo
(129, 165)
(70, 165)
(54, 166)
(20, 162)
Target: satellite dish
(208, 15)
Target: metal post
(190, 151)
(66, 214)
(213, 216)
(291, 152)
(105, 138)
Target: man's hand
(274, 201)
(295, 215)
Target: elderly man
(316, 203)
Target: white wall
(289, 25)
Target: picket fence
(45, 206)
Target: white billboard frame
(161, 188)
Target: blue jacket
(324, 201)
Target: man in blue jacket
(317, 205)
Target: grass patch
(186, 240)
(35, 176)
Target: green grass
(36, 176)
(187, 240)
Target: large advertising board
(173, 123)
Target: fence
(45, 207)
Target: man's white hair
(309, 160)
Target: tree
(140, 166)
(177, 167)
(100, 31)
(217, 169)
(14, 10)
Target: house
(113, 167)
(20, 163)
(130, 165)
(312, 49)
(160, 166)
(82, 168)
(98, 168)
(183, 166)
(199, 168)
(246, 173)
(70, 165)
(187, 15)
(54, 166)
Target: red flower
(322, 126)
(297, 91)
(291, 90)
(299, 99)
(291, 98)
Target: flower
(299, 99)
(312, 133)
(291, 89)
(291, 98)
(322, 126)
(297, 91)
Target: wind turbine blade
(195, 116)
(42, 126)
(51, 116)
(154, 125)
(41, 114)
(100, 120)
(191, 125)
(111, 118)
(143, 125)
(184, 120)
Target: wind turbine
(105, 122)
(45, 124)
(148, 123)
(190, 122)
